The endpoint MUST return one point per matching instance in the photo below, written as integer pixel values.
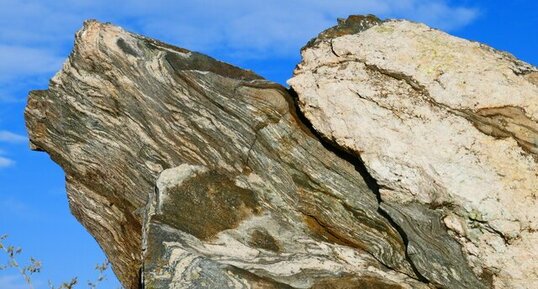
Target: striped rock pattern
(246, 197)
(192, 173)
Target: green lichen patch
(354, 282)
(351, 25)
(260, 238)
(207, 204)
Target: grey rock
(201, 175)
(193, 173)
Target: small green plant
(12, 253)
(66, 285)
(101, 269)
(34, 266)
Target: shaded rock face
(379, 169)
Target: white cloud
(7, 136)
(12, 282)
(279, 28)
(20, 60)
(439, 15)
(13, 138)
(4, 97)
(5, 162)
(36, 35)
(15, 208)
(16, 281)
(11, 207)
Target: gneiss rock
(448, 129)
(241, 194)
(192, 173)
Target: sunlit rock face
(447, 128)
(401, 158)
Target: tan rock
(438, 121)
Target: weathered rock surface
(246, 195)
(448, 129)
(192, 173)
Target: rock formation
(448, 129)
(401, 157)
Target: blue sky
(265, 36)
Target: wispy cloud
(12, 282)
(440, 15)
(235, 29)
(10, 137)
(14, 208)
(275, 26)
(5, 162)
(278, 28)
(19, 60)
(7, 98)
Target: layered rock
(448, 129)
(246, 194)
(192, 173)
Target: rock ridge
(377, 168)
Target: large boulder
(448, 129)
(401, 158)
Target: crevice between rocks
(141, 284)
(360, 167)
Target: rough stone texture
(402, 158)
(448, 129)
(201, 174)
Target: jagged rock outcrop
(192, 173)
(448, 129)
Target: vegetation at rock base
(9, 260)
